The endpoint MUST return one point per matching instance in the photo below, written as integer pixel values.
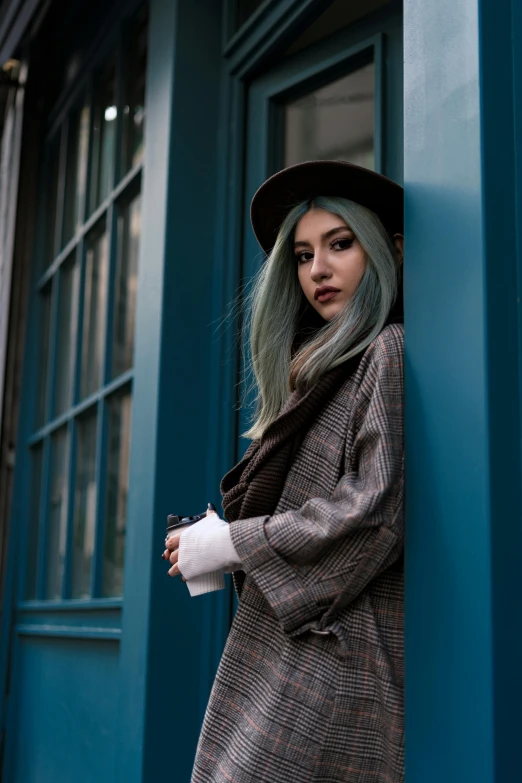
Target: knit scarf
(254, 486)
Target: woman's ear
(398, 242)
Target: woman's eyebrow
(326, 235)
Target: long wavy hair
(291, 347)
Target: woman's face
(330, 261)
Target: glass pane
(129, 229)
(335, 122)
(104, 136)
(134, 108)
(95, 313)
(67, 318)
(31, 555)
(51, 199)
(84, 507)
(76, 171)
(57, 522)
(117, 488)
(43, 358)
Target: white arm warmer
(206, 552)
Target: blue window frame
(85, 298)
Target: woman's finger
(173, 542)
(174, 556)
(174, 571)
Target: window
(334, 122)
(86, 301)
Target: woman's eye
(343, 244)
(304, 256)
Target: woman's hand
(172, 548)
(171, 553)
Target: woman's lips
(325, 294)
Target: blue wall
(464, 548)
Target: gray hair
(277, 304)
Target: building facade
(134, 135)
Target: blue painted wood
(77, 620)
(72, 735)
(463, 337)
(161, 632)
(73, 605)
(68, 631)
(500, 64)
(225, 324)
(270, 28)
(93, 399)
(19, 527)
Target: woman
(310, 686)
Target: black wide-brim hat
(275, 198)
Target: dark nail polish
(211, 507)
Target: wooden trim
(269, 28)
(69, 631)
(81, 407)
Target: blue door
(70, 505)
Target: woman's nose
(320, 269)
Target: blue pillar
(462, 293)
(163, 659)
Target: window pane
(129, 230)
(117, 488)
(335, 122)
(31, 558)
(57, 522)
(67, 316)
(104, 136)
(134, 108)
(51, 198)
(95, 313)
(76, 171)
(43, 357)
(84, 507)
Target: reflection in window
(129, 229)
(104, 136)
(67, 316)
(134, 108)
(76, 171)
(51, 198)
(57, 522)
(84, 507)
(31, 554)
(335, 122)
(95, 313)
(117, 488)
(43, 371)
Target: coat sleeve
(310, 561)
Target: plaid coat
(310, 686)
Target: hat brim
(275, 198)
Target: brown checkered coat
(310, 686)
